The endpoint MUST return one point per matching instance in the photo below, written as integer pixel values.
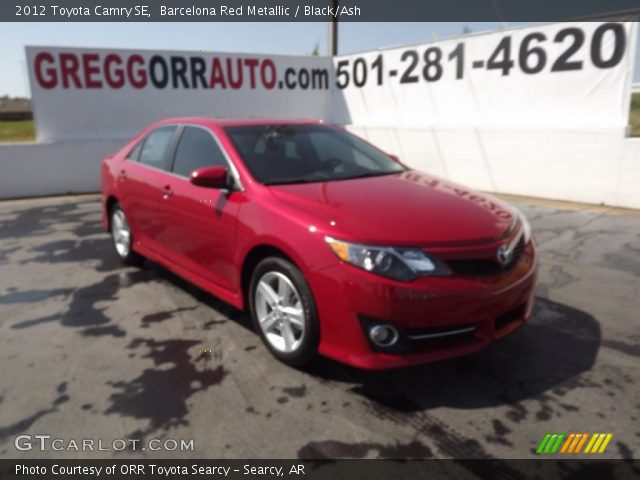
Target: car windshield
(287, 154)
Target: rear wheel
(284, 312)
(121, 236)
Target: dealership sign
(94, 93)
(568, 75)
(115, 71)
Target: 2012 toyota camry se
(333, 246)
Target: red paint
(113, 73)
(205, 236)
(69, 66)
(252, 63)
(236, 82)
(47, 78)
(217, 76)
(90, 69)
(111, 70)
(137, 76)
(268, 73)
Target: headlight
(526, 226)
(404, 264)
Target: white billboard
(82, 93)
(568, 75)
(539, 111)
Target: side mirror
(211, 177)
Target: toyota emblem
(504, 255)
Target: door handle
(168, 193)
(122, 174)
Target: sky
(269, 38)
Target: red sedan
(333, 246)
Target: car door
(141, 182)
(200, 222)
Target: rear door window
(156, 147)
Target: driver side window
(196, 149)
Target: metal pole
(333, 30)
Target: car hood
(408, 208)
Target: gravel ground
(92, 350)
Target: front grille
(485, 266)
(441, 337)
(438, 332)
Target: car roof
(240, 122)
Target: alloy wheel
(280, 312)
(120, 233)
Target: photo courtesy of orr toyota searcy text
(159, 470)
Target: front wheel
(121, 236)
(284, 312)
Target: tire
(294, 312)
(119, 228)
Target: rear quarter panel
(109, 174)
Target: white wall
(526, 150)
(38, 169)
(590, 166)
(582, 166)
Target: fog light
(383, 335)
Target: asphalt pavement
(93, 350)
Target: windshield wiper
(370, 174)
(293, 181)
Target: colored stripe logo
(573, 443)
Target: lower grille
(430, 333)
(510, 317)
(433, 338)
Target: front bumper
(478, 309)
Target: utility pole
(333, 30)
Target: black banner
(311, 10)
(493, 469)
